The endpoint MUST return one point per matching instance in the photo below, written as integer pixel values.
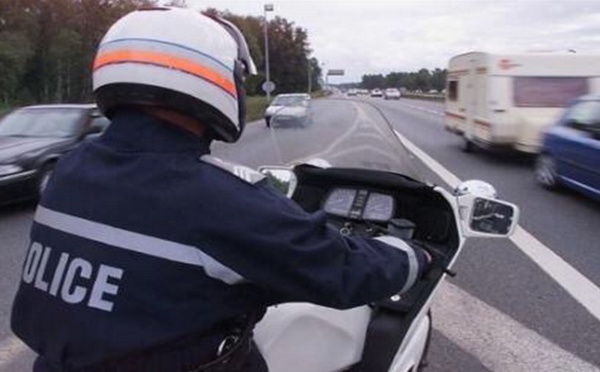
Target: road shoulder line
(499, 342)
(572, 281)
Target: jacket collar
(136, 131)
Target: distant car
(287, 100)
(376, 93)
(34, 138)
(570, 154)
(391, 93)
(352, 93)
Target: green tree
(15, 50)
(423, 80)
(373, 81)
(289, 52)
(315, 73)
(47, 48)
(438, 79)
(65, 54)
(57, 43)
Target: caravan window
(453, 90)
(548, 91)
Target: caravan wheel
(468, 146)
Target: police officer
(148, 254)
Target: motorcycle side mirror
(481, 214)
(282, 178)
(487, 217)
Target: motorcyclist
(149, 254)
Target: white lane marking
(575, 283)
(424, 109)
(10, 349)
(580, 287)
(499, 342)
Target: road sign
(335, 72)
(268, 86)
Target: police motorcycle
(352, 164)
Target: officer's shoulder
(242, 172)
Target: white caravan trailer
(505, 101)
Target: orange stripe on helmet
(168, 61)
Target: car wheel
(545, 172)
(44, 176)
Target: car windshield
(289, 101)
(343, 133)
(41, 123)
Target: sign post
(334, 72)
(267, 8)
(268, 87)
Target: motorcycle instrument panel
(360, 204)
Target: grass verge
(425, 96)
(4, 110)
(320, 94)
(255, 107)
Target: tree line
(423, 80)
(290, 61)
(47, 48)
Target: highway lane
(565, 222)
(15, 221)
(490, 273)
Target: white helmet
(179, 59)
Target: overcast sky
(368, 37)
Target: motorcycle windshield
(344, 133)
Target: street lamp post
(309, 72)
(267, 8)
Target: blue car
(571, 149)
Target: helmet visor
(243, 51)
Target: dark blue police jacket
(138, 241)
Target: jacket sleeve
(272, 242)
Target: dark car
(571, 149)
(33, 138)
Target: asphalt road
(498, 273)
(501, 313)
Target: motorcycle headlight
(5, 170)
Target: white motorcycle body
(303, 337)
(300, 337)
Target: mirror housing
(282, 178)
(487, 217)
(481, 214)
(477, 188)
